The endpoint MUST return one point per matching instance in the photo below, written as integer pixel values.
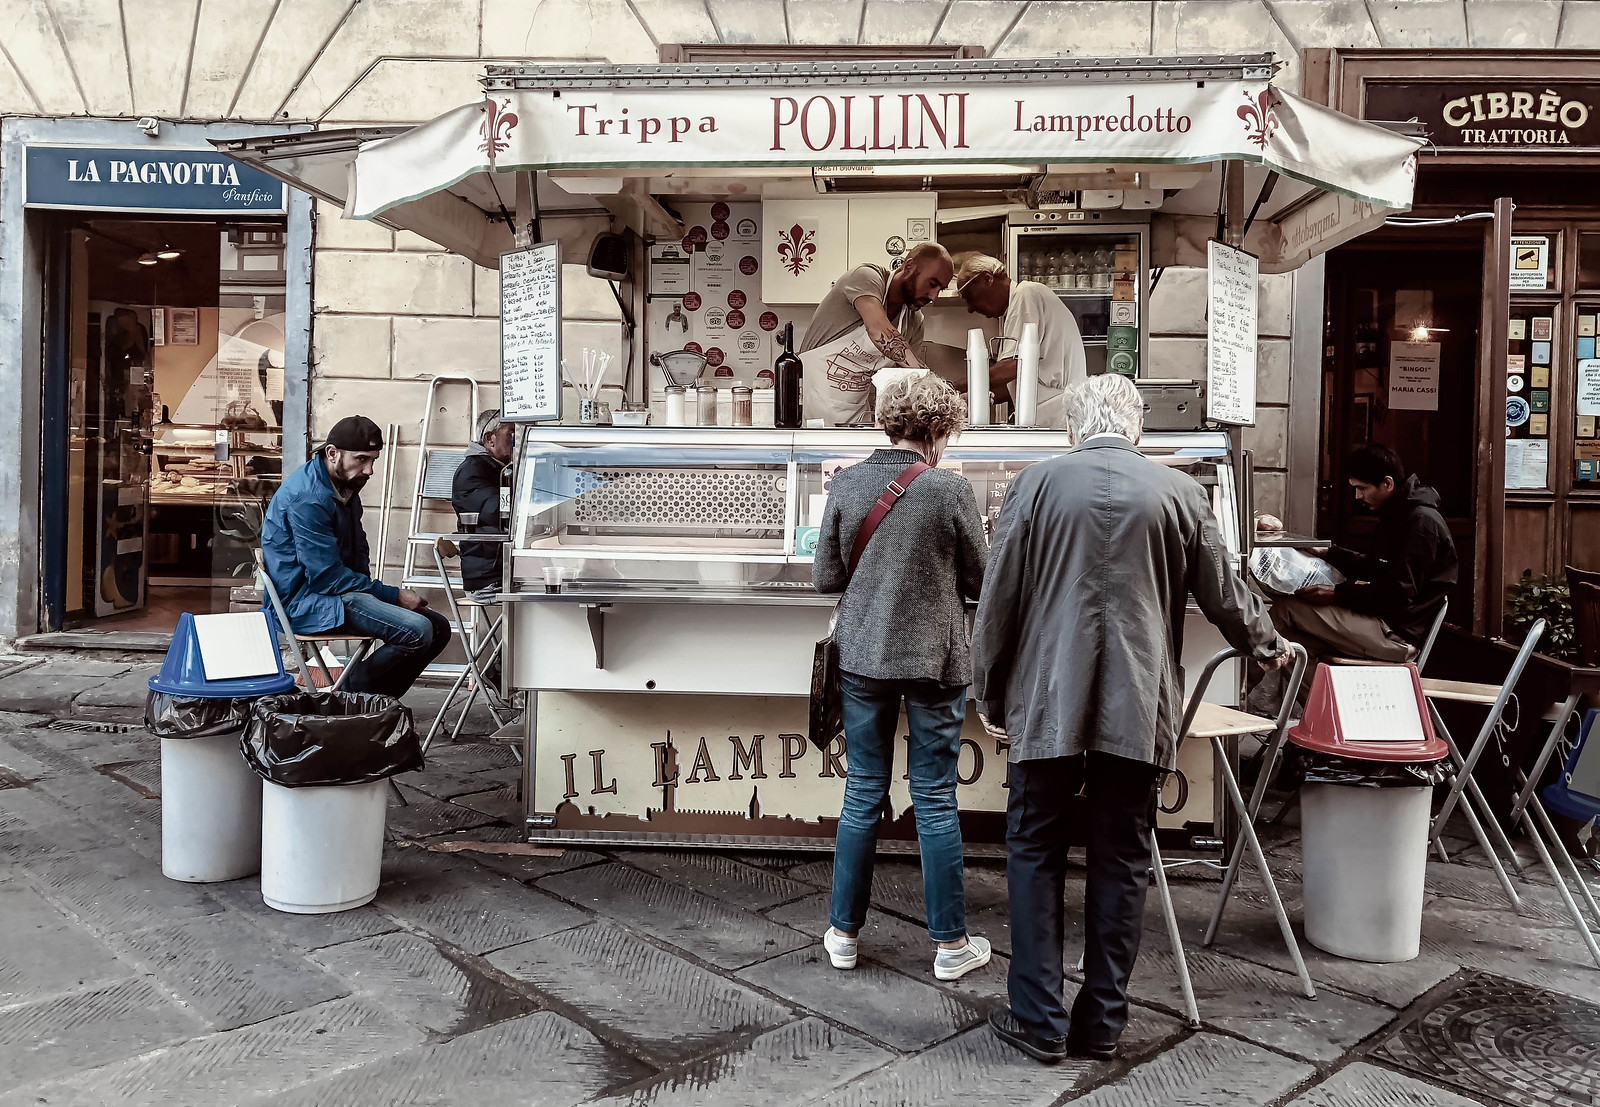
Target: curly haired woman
(902, 636)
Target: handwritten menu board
(1231, 336)
(1376, 703)
(530, 333)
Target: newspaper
(1285, 569)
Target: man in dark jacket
(475, 494)
(315, 551)
(1383, 609)
(1075, 658)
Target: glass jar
(705, 405)
(743, 407)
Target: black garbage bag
(1326, 768)
(302, 740)
(168, 716)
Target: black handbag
(827, 701)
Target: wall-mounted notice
(1231, 336)
(1530, 263)
(530, 333)
(1589, 386)
(1527, 463)
(1414, 376)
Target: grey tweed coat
(903, 615)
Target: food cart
(658, 601)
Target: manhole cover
(1514, 1043)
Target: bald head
(924, 273)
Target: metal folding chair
(1215, 722)
(1528, 809)
(444, 547)
(364, 645)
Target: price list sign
(530, 334)
(1231, 336)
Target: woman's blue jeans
(871, 721)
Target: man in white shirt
(983, 283)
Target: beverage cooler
(1098, 262)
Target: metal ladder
(436, 470)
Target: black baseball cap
(355, 432)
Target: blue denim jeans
(871, 717)
(411, 639)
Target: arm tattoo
(893, 346)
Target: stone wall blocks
(677, 20)
(912, 22)
(430, 347)
(485, 291)
(1185, 359)
(1275, 305)
(743, 21)
(1342, 24)
(41, 61)
(225, 37)
(1580, 26)
(405, 90)
(583, 296)
(374, 283)
(599, 30)
(91, 28)
(1272, 493)
(1269, 438)
(335, 232)
(1079, 28)
(292, 42)
(1224, 27)
(350, 346)
(1515, 24)
(825, 22)
(1421, 23)
(1178, 304)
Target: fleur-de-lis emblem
(796, 249)
(1259, 119)
(498, 123)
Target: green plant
(1533, 598)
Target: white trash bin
(1365, 860)
(210, 810)
(321, 847)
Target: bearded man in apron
(869, 320)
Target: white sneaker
(952, 964)
(842, 950)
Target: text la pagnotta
(1489, 114)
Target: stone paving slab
(538, 1061)
(422, 816)
(881, 1003)
(1204, 1071)
(115, 811)
(43, 953)
(143, 776)
(705, 927)
(118, 890)
(21, 764)
(523, 868)
(443, 781)
(432, 985)
(1257, 1003)
(1491, 938)
(232, 1067)
(501, 803)
(720, 877)
(49, 689)
(127, 691)
(673, 1010)
(62, 1035)
(1363, 1085)
(302, 932)
(1480, 888)
(470, 757)
(892, 941)
(971, 1069)
(228, 971)
(789, 1065)
(896, 884)
(477, 911)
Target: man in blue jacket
(316, 554)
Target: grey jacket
(902, 616)
(1080, 629)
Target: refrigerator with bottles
(1098, 263)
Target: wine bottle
(786, 373)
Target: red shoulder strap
(896, 489)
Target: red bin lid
(1369, 713)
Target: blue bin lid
(183, 674)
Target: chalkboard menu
(530, 334)
(1231, 336)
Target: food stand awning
(1070, 123)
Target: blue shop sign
(152, 179)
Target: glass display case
(735, 513)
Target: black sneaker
(1008, 1029)
(1076, 1048)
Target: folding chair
(365, 645)
(445, 548)
(1215, 722)
(1538, 824)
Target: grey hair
(974, 265)
(1107, 404)
(925, 250)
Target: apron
(838, 377)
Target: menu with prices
(1376, 703)
(530, 333)
(1231, 309)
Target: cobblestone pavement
(656, 978)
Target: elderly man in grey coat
(1076, 664)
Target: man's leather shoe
(1076, 1048)
(1008, 1029)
